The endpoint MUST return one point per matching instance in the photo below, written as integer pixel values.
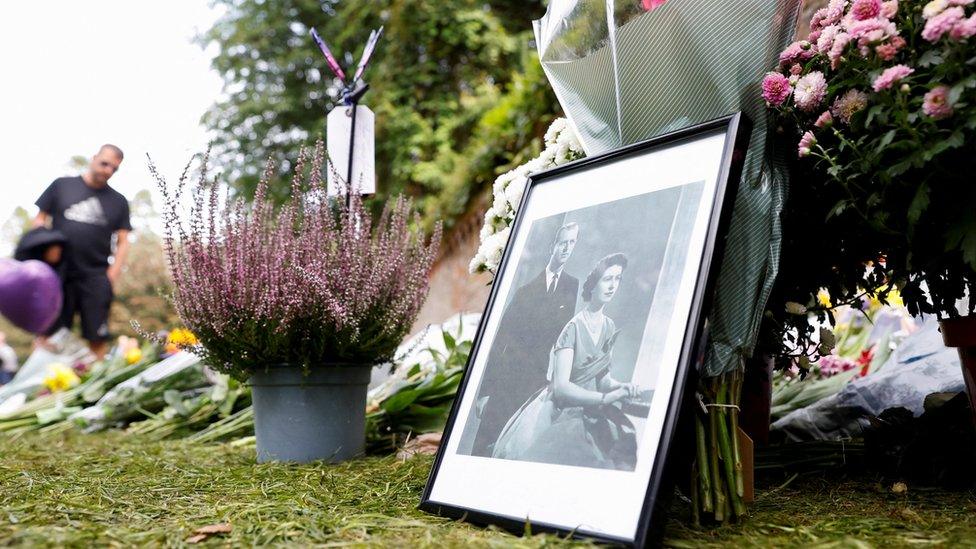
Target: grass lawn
(114, 489)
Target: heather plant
(312, 282)
(878, 104)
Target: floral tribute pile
(877, 111)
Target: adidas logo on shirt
(87, 211)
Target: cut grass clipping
(112, 488)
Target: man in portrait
(519, 357)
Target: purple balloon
(30, 294)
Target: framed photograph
(578, 370)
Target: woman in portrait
(574, 419)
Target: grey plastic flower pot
(299, 418)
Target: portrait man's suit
(519, 358)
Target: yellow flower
(823, 298)
(60, 378)
(133, 356)
(181, 337)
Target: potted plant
(880, 100)
(300, 301)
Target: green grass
(113, 489)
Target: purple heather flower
(304, 283)
(890, 76)
(775, 89)
(810, 91)
(936, 103)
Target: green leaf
(919, 204)
(449, 341)
(953, 141)
(400, 400)
(899, 168)
(887, 138)
(930, 58)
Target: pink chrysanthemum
(865, 9)
(826, 39)
(888, 50)
(849, 104)
(810, 91)
(889, 9)
(797, 51)
(964, 29)
(890, 76)
(825, 120)
(837, 49)
(936, 103)
(942, 23)
(806, 143)
(776, 89)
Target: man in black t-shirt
(89, 212)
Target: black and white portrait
(559, 379)
(578, 371)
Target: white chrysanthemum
(477, 264)
(514, 192)
(557, 127)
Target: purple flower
(847, 105)
(865, 9)
(890, 76)
(775, 89)
(305, 283)
(806, 143)
(832, 365)
(936, 103)
(810, 91)
(825, 120)
(942, 23)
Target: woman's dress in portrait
(599, 436)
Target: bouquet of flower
(310, 283)
(881, 99)
(862, 340)
(561, 147)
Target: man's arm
(41, 220)
(121, 251)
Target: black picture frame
(736, 128)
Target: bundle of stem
(717, 483)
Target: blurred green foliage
(457, 89)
